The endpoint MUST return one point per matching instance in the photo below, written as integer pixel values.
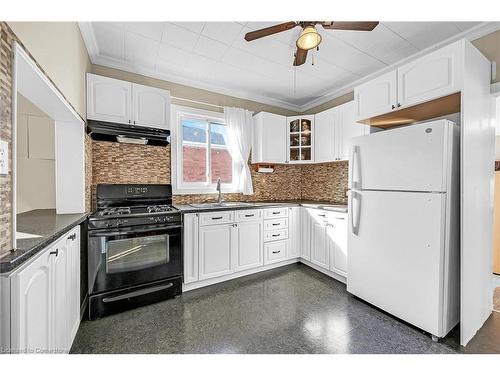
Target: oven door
(124, 257)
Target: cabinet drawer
(219, 217)
(271, 213)
(321, 215)
(275, 235)
(276, 224)
(248, 215)
(275, 251)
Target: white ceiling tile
(179, 37)
(151, 30)
(195, 27)
(423, 34)
(210, 48)
(110, 40)
(172, 55)
(225, 32)
(380, 43)
(141, 52)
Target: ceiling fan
(309, 37)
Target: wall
(59, 49)
(36, 174)
(489, 45)
(62, 56)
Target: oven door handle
(102, 233)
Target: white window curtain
(239, 123)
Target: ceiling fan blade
(270, 30)
(300, 57)
(355, 26)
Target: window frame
(176, 159)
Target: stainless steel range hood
(111, 132)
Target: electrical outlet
(4, 157)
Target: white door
(348, 128)
(269, 138)
(294, 231)
(215, 251)
(411, 158)
(434, 75)
(60, 300)
(109, 99)
(376, 97)
(31, 310)
(73, 284)
(190, 247)
(319, 249)
(337, 236)
(250, 245)
(396, 252)
(151, 106)
(325, 139)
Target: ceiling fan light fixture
(309, 38)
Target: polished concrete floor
(293, 309)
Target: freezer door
(396, 251)
(411, 158)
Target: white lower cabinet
(215, 250)
(249, 249)
(275, 251)
(337, 237)
(306, 221)
(294, 232)
(320, 253)
(45, 299)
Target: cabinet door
(269, 138)
(434, 75)
(348, 128)
(73, 291)
(60, 297)
(190, 247)
(151, 106)
(325, 140)
(250, 245)
(31, 309)
(108, 99)
(300, 142)
(305, 249)
(375, 97)
(319, 250)
(294, 232)
(215, 251)
(337, 236)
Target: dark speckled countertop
(45, 223)
(332, 206)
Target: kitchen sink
(218, 205)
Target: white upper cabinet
(431, 76)
(123, 102)
(151, 107)
(376, 97)
(269, 138)
(347, 129)
(300, 139)
(325, 135)
(109, 99)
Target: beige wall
(35, 188)
(59, 49)
(489, 45)
(192, 93)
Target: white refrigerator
(405, 223)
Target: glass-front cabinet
(300, 139)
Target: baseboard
(333, 275)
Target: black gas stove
(134, 246)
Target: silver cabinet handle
(322, 215)
(217, 218)
(276, 252)
(72, 237)
(274, 224)
(251, 215)
(56, 252)
(275, 235)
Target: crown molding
(87, 32)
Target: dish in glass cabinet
(306, 126)
(294, 126)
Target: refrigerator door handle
(354, 184)
(353, 195)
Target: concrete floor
(293, 309)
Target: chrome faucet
(220, 198)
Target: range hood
(111, 132)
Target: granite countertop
(44, 223)
(331, 206)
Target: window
(200, 152)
